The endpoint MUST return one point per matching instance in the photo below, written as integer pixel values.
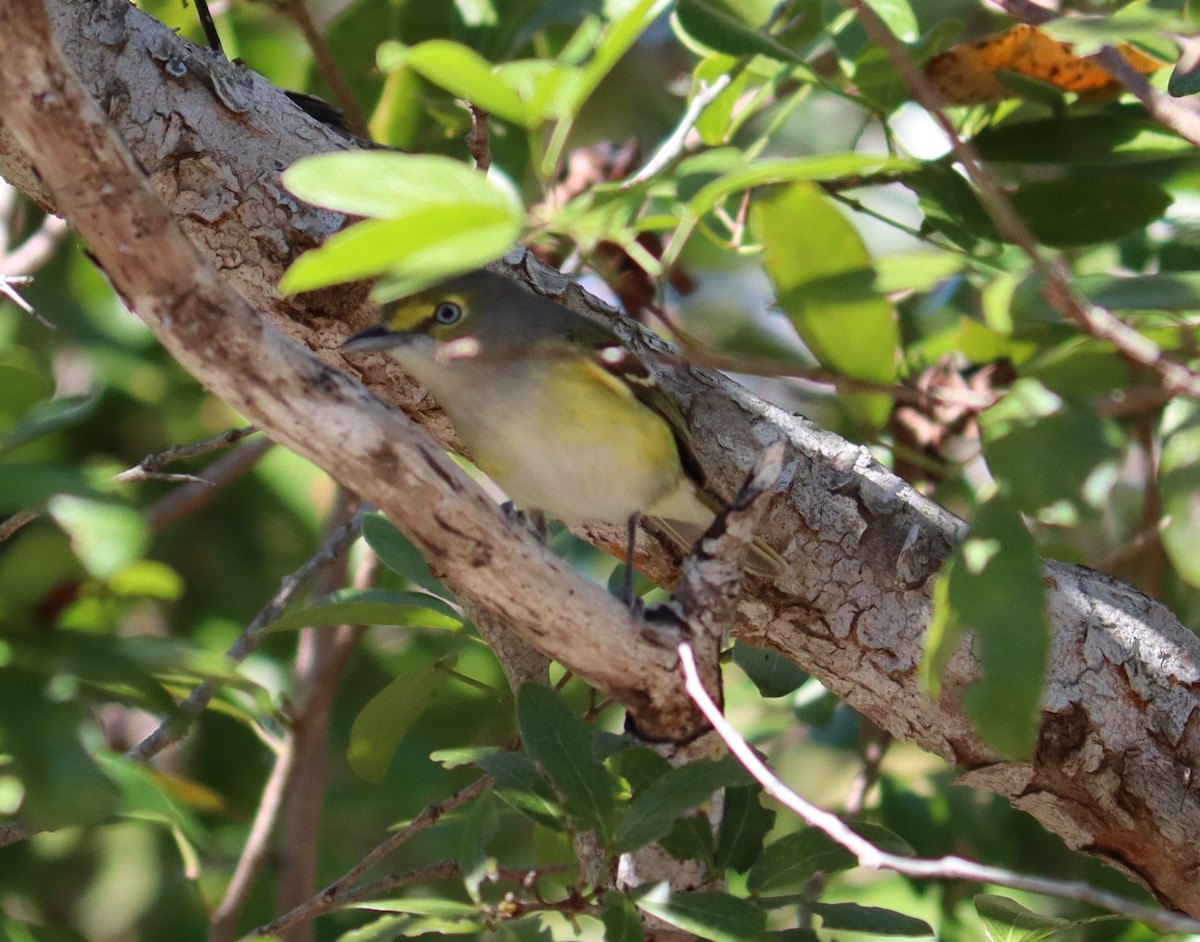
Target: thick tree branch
(1119, 745)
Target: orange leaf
(966, 74)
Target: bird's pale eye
(447, 313)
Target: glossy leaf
(822, 272)
(715, 916)
(851, 917)
(460, 70)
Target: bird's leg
(626, 594)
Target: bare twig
(173, 729)
(223, 923)
(673, 146)
(11, 525)
(196, 495)
(942, 868)
(479, 140)
(294, 759)
(36, 250)
(330, 71)
(150, 466)
(333, 895)
(1055, 275)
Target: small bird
(553, 407)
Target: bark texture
(1118, 746)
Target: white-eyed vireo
(553, 407)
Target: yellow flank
(608, 452)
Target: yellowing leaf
(967, 73)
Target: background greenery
(812, 181)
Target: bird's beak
(373, 339)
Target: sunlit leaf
(460, 70)
(993, 586)
(715, 916)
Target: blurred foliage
(809, 217)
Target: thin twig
(479, 140)
(327, 65)
(942, 868)
(150, 466)
(11, 525)
(172, 730)
(37, 249)
(223, 923)
(1054, 273)
(190, 498)
(673, 146)
(7, 289)
(332, 895)
(315, 694)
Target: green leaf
(716, 122)
(721, 27)
(520, 785)
(371, 607)
(794, 858)
(781, 170)
(950, 206)
(45, 418)
(63, 784)
(715, 916)
(382, 723)
(690, 838)
(31, 485)
(387, 185)
(997, 560)
(653, 811)
(397, 553)
(435, 217)
(415, 250)
(1006, 920)
(1078, 210)
(1100, 139)
(773, 674)
(105, 537)
(460, 70)
(561, 746)
(621, 920)
(851, 917)
(899, 17)
(823, 274)
(1179, 483)
(618, 38)
(744, 826)
(1030, 422)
